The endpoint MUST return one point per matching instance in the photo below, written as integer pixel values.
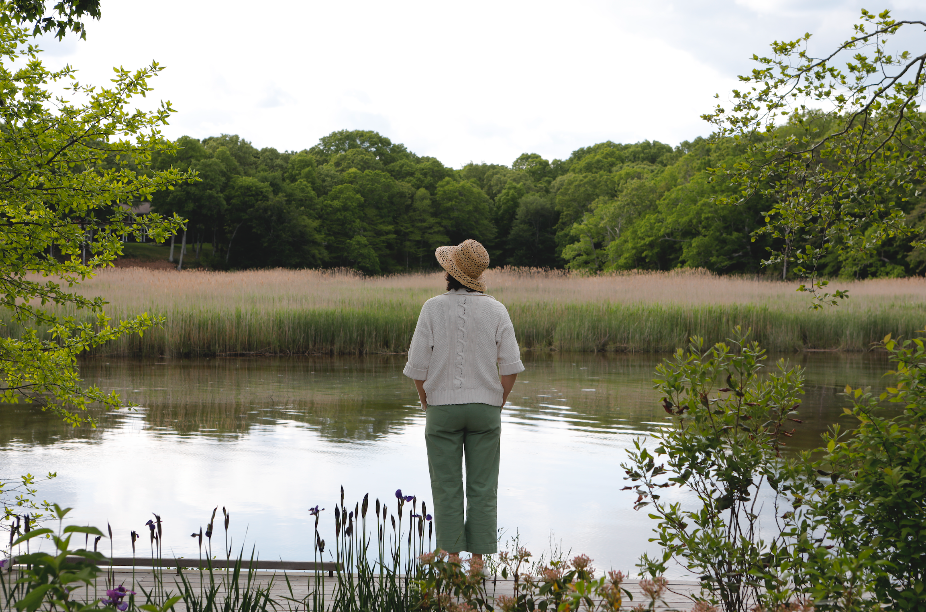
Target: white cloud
(481, 81)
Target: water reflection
(362, 399)
(270, 437)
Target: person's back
(467, 341)
(464, 359)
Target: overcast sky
(462, 81)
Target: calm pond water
(270, 437)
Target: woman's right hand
(507, 385)
(422, 396)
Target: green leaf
(34, 598)
(79, 529)
(35, 533)
(60, 512)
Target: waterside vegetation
(342, 312)
(389, 570)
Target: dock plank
(303, 585)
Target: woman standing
(464, 360)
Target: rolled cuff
(416, 373)
(514, 367)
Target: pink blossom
(506, 603)
(616, 578)
(427, 558)
(653, 588)
(583, 562)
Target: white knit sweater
(462, 342)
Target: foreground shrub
(558, 586)
(863, 496)
(723, 448)
(844, 527)
(49, 579)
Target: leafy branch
(835, 145)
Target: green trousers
(453, 432)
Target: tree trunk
(213, 241)
(784, 268)
(182, 251)
(171, 258)
(199, 245)
(228, 252)
(594, 252)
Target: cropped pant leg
(454, 433)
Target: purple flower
(398, 493)
(115, 596)
(314, 511)
(3, 563)
(427, 517)
(150, 524)
(415, 515)
(409, 498)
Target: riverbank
(308, 311)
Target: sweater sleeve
(419, 353)
(509, 355)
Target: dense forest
(358, 200)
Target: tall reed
(340, 312)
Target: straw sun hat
(465, 262)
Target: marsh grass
(341, 312)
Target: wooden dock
(287, 585)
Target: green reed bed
(306, 311)
(562, 327)
(662, 328)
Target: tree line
(358, 200)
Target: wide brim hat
(465, 262)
